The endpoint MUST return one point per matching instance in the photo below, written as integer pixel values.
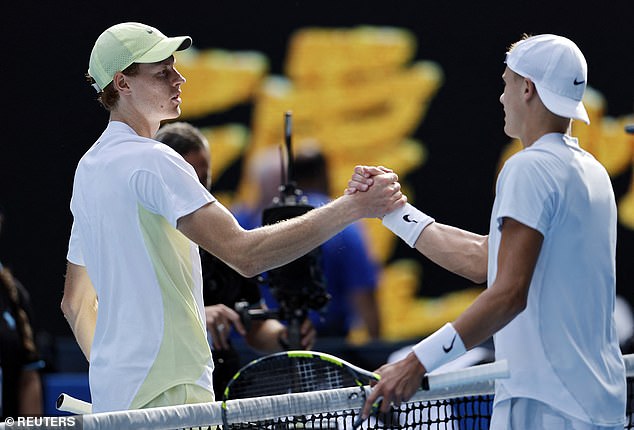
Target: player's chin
(173, 113)
(508, 130)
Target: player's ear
(528, 88)
(120, 82)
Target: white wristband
(407, 223)
(439, 348)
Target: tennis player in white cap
(133, 294)
(549, 261)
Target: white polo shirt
(128, 193)
(563, 348)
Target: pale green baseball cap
(126, 43)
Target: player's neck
(542, 125)
(142, 126)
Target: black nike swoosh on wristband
(406, 218)
(450, 347)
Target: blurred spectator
(223, 287)
(19, 357)
(350, 273)
(624, 319)
(191, 144)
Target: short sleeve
(168, 186)
(75, 254)
(526, 193)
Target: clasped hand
(382, 187)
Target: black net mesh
(471, 413)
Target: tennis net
(463, 401)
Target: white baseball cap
(126, 43)
(557, 68)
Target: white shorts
(522, 413)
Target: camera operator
(350, 276)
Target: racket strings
(284, 375)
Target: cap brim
(563, 106)
(164, 49)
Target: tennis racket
(294, 372)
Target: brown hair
(109, 97)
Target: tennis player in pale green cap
(133, 294)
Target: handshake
(400, 217)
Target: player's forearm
(251, 252)
(255, 251)
(82, 319)
(79, 305)
(459, 251)
(275, 245)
